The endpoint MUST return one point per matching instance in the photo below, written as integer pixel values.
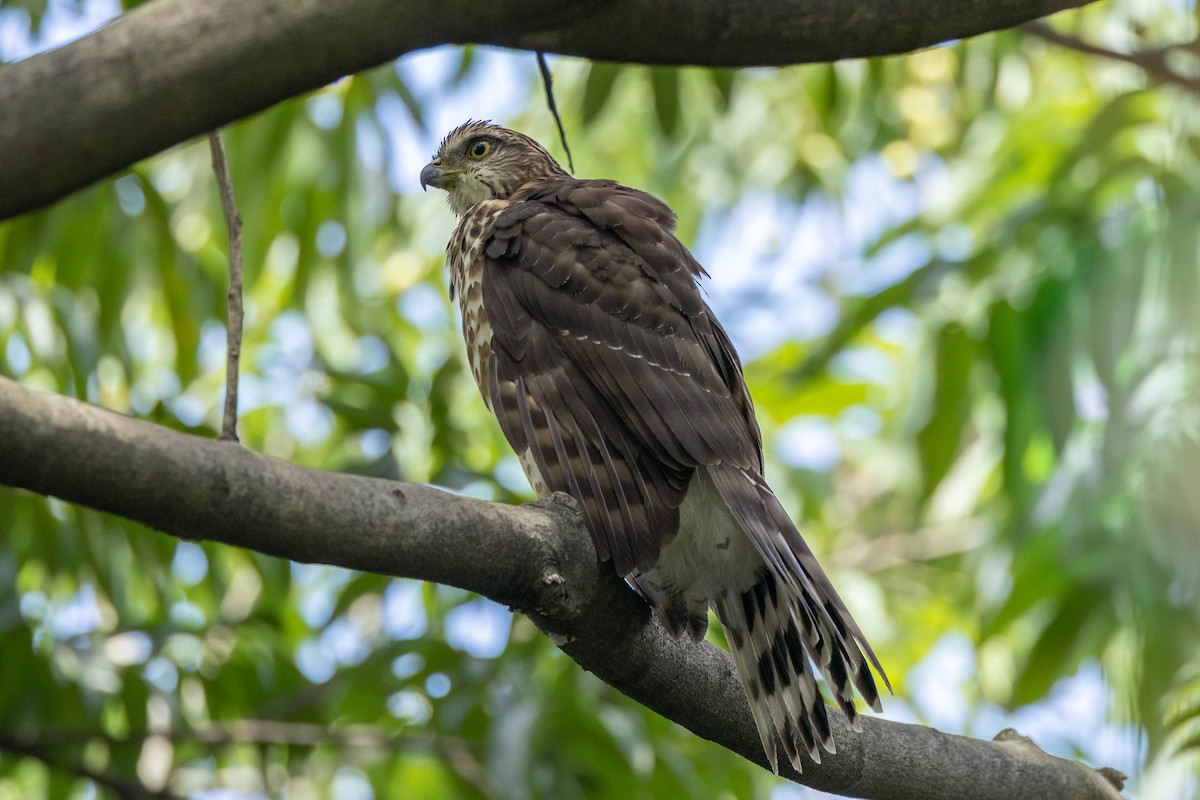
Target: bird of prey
(611, 379)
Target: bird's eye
(479, 148)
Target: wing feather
(601, 335)
(599, 327)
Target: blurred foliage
(982, 400)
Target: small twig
(233, 222)
(351, 739)
(548, 82)
(123, 787)
(299, 734)
(889, 550)
(1154, 62)
(458, 752)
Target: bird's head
(480, 161)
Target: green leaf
(1055, 653)
(664, 81)
(938, 438)
(723, 81)
(598, 88)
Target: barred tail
(789, 624)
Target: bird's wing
(606, 363)
(607, 366)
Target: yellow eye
(479, 148)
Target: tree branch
(124, 787)
(235, 318)
(352, 739)
(552, 104)
(539, 560)
(173, 69)
(1153, 62)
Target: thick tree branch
(538, 560)
(172, 69)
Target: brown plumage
(612, 381)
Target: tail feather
(789, 620)
(678, 611)
(772, 657)
(737, 637)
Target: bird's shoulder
(617, 239)
(595, 263)
(605, 203)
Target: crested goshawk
(611, 379)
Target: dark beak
(432, 176)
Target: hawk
(611, 379)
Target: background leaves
(965, 283)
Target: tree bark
(173, 69)
(538, 560)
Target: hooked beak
(435, 177)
